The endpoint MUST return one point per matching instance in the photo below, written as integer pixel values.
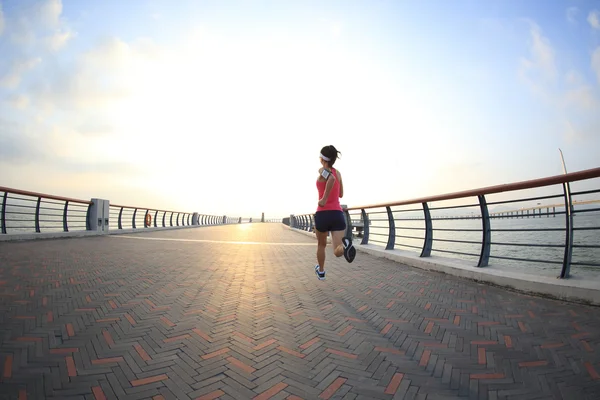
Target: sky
(221, 107)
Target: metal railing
(27, 212)
(471, 230)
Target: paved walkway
(139, 317)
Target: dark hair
(331, 153)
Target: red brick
(70, 330)
(72, 371)
(508, 341)
(429, 327)
(64, 350)
(425, 358)
(50, 316)
(212, 395)
(267, 394)
(22, 394)
(487, 376)
(522, 326)
(140, 350)
(292, 352)
(176, 338)
(108, 338)
(342, 353)
(215, 353)
(392, 387)
(152, 379)
(265, 344)
(363, 308)
(167, 322)
(8, 362)
(201, 334)
(309, 343)
(533, 363)
(386, 329)
(457, 320)
(483, 342)
(346, 330)
(587, 346)
(481, 356)
(101, 361)
(240, 365)
(591, 370)
(331, 389)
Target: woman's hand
(322, 202)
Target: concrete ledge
(63, 235)
(574, 289)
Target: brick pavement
(116, 317)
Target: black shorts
(330, 220)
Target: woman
(330, 216)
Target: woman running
(330, 216)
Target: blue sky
(222, 106)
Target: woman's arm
(341, 184)
(328, 187)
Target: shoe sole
(350, 251)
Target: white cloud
(572, 14)
(13, 77)
(594, 19)
(18, 101)
(58, 40)
(542, 57)
(2, 22)
(596, 62)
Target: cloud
(2, 21)
(596, 63)
(542, 56)
(572, 14)
(42, 25)
(594, 19)
(13, 77)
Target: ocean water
(522, 238)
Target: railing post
(195, 219)
(133, 219)
(164, 219)
(178, 219)
(566, 268)
(155, 218)
(428, 240)
(486, 239)
(145, 215)
(392, 230)
(3, 215)
(365, 217)
(240, 221)
(37, 214)
(348, 222)
(65, 226)
(98, 215)
(171, 219)
(120, 216)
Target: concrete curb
(574, 289)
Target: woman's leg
(321, 245)
(336, 241)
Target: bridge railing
(23, 212)
(475, 224)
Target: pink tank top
(333, 201)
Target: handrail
(377, 226)
(529, 184)
(146, 208)
(43, 195)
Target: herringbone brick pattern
(113, 317)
